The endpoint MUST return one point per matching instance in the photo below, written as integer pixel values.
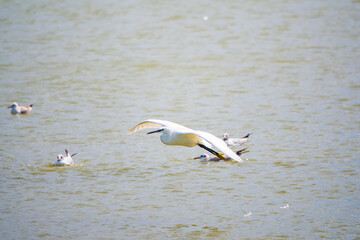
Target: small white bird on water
(61, 160)
(235, 141)
(16, 109)
(286, 206)
(207, 158)
(176, 134)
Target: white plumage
(16, 109)
(235, 141)
(176, 134)
(61, 160)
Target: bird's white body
(16, 109)
(235, 141)
(61, 160)
(176, 134)
(181, 136)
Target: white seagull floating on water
(286, 206)
(207, 158)
(176, 134)
(235, 141)
(61, 160)
(16, 109)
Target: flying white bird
(16, 109)
(207, 158)
(176, 134)
(235, 141)
(61, 160)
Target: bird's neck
(165, 137)
(15, 109)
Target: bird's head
(60, 157)
(226, 136)
(13, 105)
(203, 157)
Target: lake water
(287, 71)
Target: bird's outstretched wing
(155, 123)
(204, 137)
(219, 144)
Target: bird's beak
(159, 130)
(197, 158)
(9, 107)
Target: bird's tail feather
(241, 151)
(247, 135)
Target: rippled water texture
(288, 71)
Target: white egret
(176, 134)
(235, 141)
(207, 158)
(16, 109)
(61, 160)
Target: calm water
(289, 71)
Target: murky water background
(286, 70)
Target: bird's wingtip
(248, 135)
(236, 158)
(133, 130)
